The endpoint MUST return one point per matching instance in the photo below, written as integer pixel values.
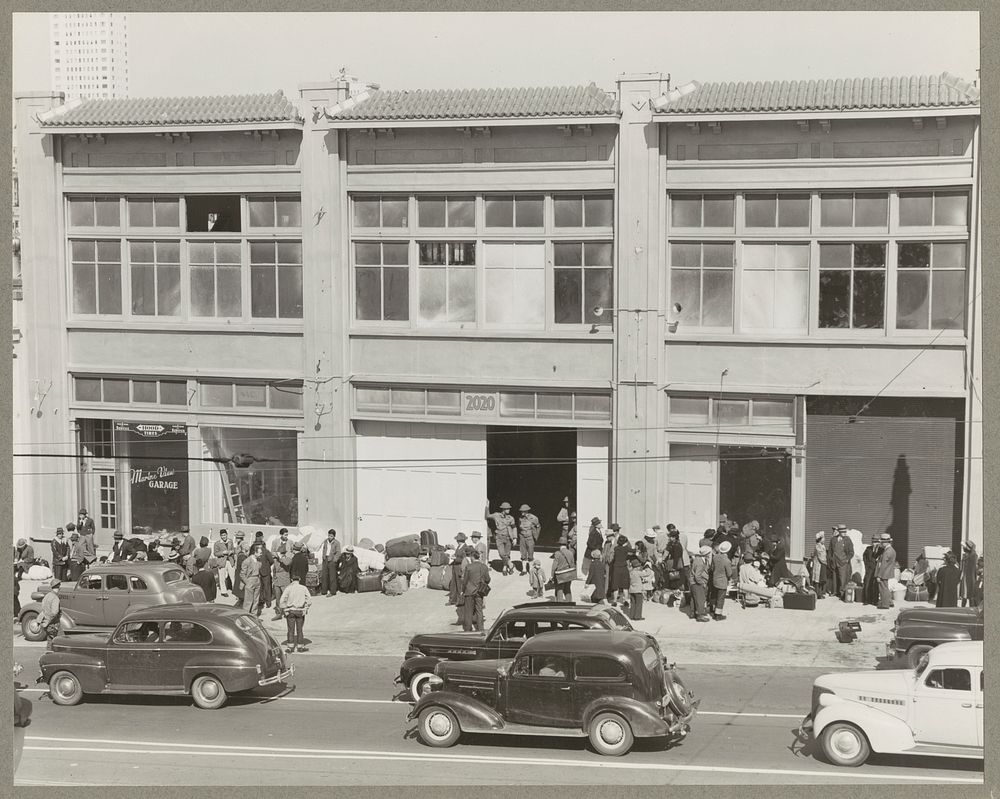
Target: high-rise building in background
(89, 54)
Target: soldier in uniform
(528, 528)
(503, 528)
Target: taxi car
(206, 651)
(918, 630)
(606, 685)
(935, 709)
(512, 628)
(106, 592)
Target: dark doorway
(756, 483)
(534, 466)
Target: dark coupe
(918, 630)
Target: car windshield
(173, 576)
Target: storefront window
(158, 474)
(266, 492)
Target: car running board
(941, 750)
(530, 729)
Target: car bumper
(892, 649)
(281, 676)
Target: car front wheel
(65, 688)
(208, 692)
(418, 685)
(844, 744)
(611, 735)
(30, 628)
(438, 727)
(915, 652)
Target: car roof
(549, 610)
(589, 642)
(957, 653)
(135, 565)
(185, 611)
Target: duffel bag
(394, 584)
(438, 556)
(439, 577)
(428, 540)
(366, 543)
(419, 579)
(917, 593)
(402, 565)
(370, 581)
(406, 546)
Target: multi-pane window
(583, 210)
(382, 282)
(216, 273)
(854, 210)
(933, 209)
(215, 278)
(227, 394)
(124, 390)
(775, 286)
(701, 281)
(156, 278)
(97, 277)
(702, 211)
(583, 280)
(693, 411)
(852, 285)
(276, 279)
(514, 211)
(515, 282)
(447, 279)
(451, 212)
(930, 285)
(381, 212)
(776, 210)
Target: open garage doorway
(533, 465)
(756, 483)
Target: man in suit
(480, 546)
(84, 524)
(841, 553)
(88, 549)
(225, 557)
(473, 581)
(60, 555)
(886, 571)
(329, 553)
(186, 549)
(24, 555)
(121, 549)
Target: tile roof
(868, 94)
(157, 111)
(429, 104)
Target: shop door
(692, 487)
(100, 482)
(533, 466)
(415, 476)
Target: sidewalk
(376, 624)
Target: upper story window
(154, 212)
(446, 212)
(933, 209)
(789, 211)
(702, 211)
(216, 213)
(579, 210)
(514, 211)
(268, 212)
(854, 210)
(94, 212)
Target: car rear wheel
(208, 692)
(30, 628)
(844, 744)
(419, 685)
(611, 735)
(438, 727)
(915, 652)
(65, 688)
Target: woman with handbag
(563, 572)
(676, 569)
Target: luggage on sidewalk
(428, 540)
(438, 556)
(439, 577)
(419, 579)
(369, 581)
(796, 601)
(402, 565)
(366, 543)
(406, 546)
(394, 584)
(917, 593)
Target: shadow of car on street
(255, 696)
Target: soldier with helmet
(502, 524)
(528, 528)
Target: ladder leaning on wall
(230, 479)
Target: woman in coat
(967, 590)
(819, 561)
(870, 557)
(722, 575)
(597, 576)
(778, 566)
(347, 571)
(595, 540)
(948, 578)
(564, 572)
(618, 581)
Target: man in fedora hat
(457, 573)
(595, 540)
(479, 546)
(502, 524)
(84, 524)
(700, 573)
(840, 556)
(886, 571)
(60, 555)
(608, 550)
(528, 528)
(121, 549)
(48, 619)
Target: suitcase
(406, 546)
(795, 601)
(438, 556)
(394, 584)
(402, 565)
(369, 581)
(439, 578)
(917, 593)
(428, 540)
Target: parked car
(935, 709)
(208, 651)
(512, 628)
(107, 591)
(610, 686)
(918, 630)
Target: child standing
(635, 589)
(597, 576)
(536, 578)
(648, 578)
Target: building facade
(88, 54)
(387, 311)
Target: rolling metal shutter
(886, 472)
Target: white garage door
(415, 476)
(692, 487)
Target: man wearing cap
(225, 554)
(751, 581)
(76, 564)
(24, 555)
(328, 555)
(722, 574)
(60, 555)
(51, 611)
(84, 524)
(841, 553)
(479, 546)
(700, 571)
(886, 571)
(240, 550)
(457, 572)
(562, 518)
(750, 537)
(299, 568)
(474, 581)
(503, 529)
(186, 549)
(595, 540)
(281, 575)
(528, 528)
(121, 549)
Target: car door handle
(966, 704)
(565, 688)
(979, 707)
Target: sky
(226, 53)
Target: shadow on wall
(899, 527)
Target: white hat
(724, 547)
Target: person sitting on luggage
(751, 581)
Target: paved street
(340, 725)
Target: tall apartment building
(758, 299)
(89, 54)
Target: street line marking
(360, 754)
(799, 716)
(356, 701)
